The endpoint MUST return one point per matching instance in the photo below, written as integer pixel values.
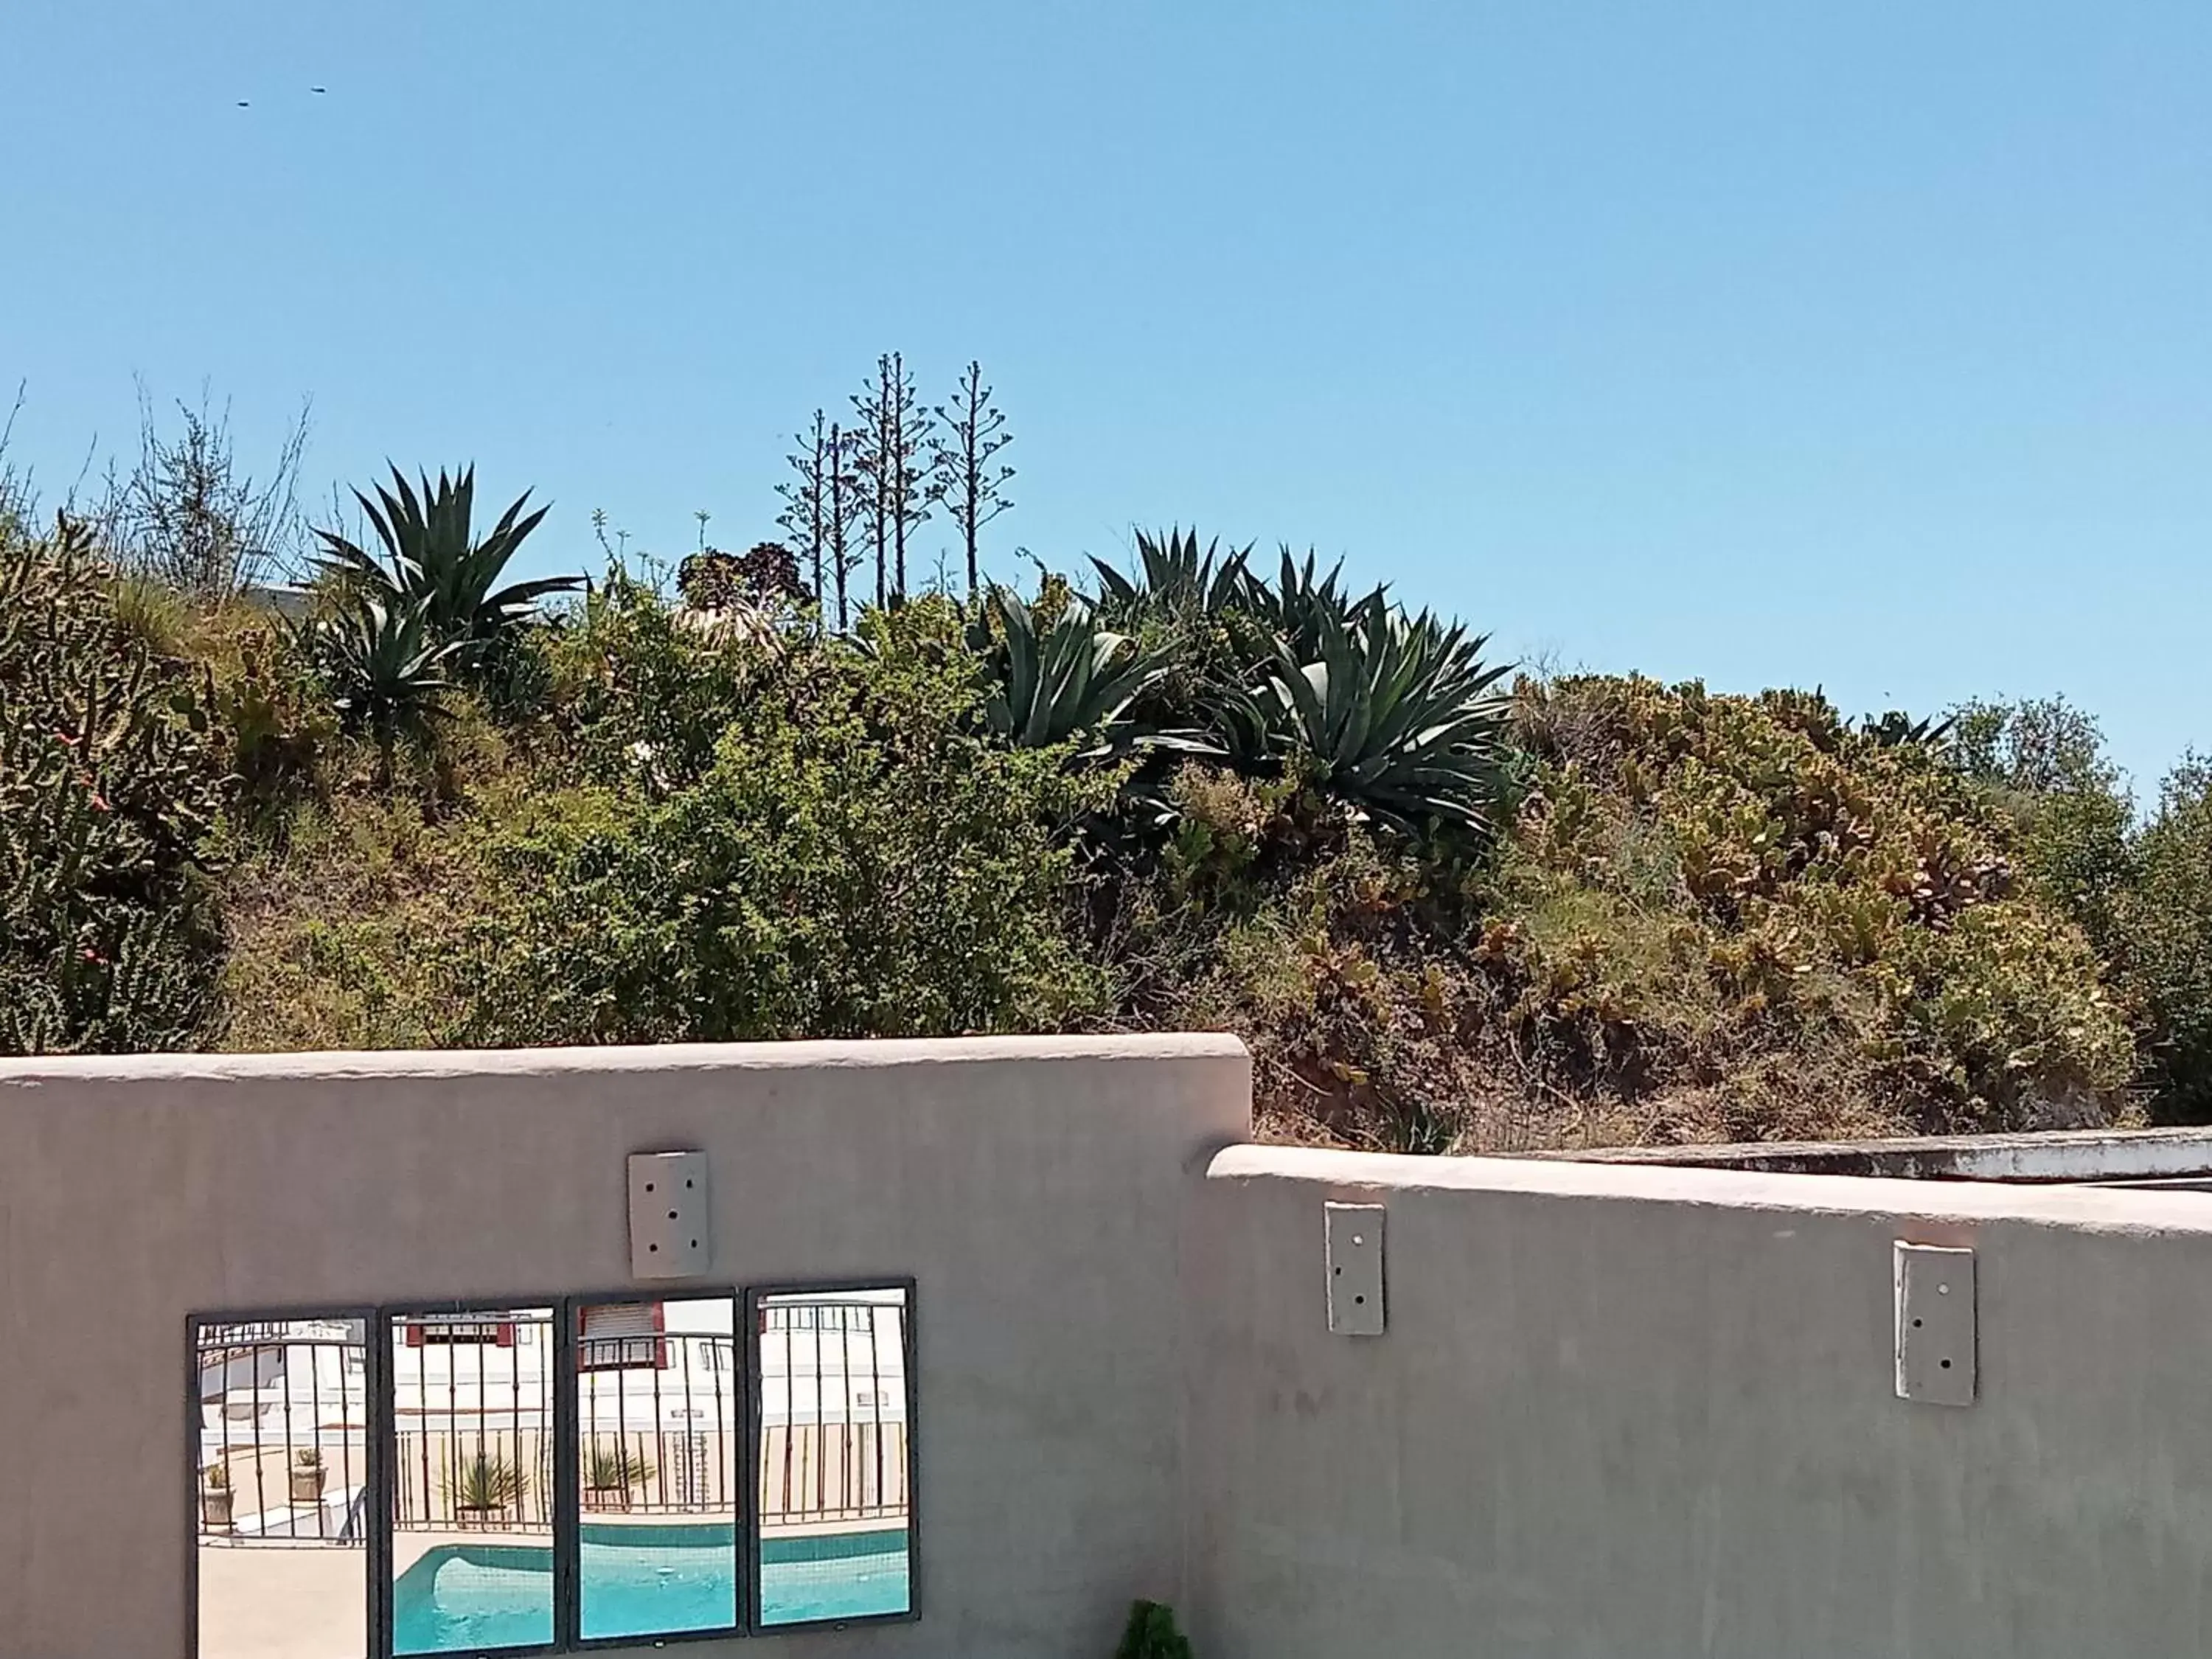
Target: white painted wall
(1619, 1411)
(1626, 1412)
(1036, 1190)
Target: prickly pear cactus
(108, 785)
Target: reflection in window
(658, 1427)
(835, 1471)
(282, 1487)
(472, 1480)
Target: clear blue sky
(1766, 342)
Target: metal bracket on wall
(1354, 1238)
(1936, 1328)
(669, 1233)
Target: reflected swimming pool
(642, 1580)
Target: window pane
(472, 1480)
(658, 1425)
(282, 1487)
(835, 1462)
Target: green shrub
(484, 1483)
(1712, 917)
(619, 1469)
(1807, 883)
(109, 780)
(2164, 932)
(1151, 1634)
(388, 673)
(638, 693)
(271, 718)
(855, 860)
(2042, 764)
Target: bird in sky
(242, 104)
(317, 89)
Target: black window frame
(376, 1396)
(569, 1611)
(566, 1512)
(428, 1310)
(757, 1298)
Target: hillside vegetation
(1450, 907)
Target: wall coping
(449, 1063)
(2100, 1209)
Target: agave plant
(485, 1483)
(1398, 716)
(1300, 604)
(1048, 685)
(616, 1470)
(1896, 728)
(1176, 575)
(431, 558)
(387, 672)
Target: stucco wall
(1036, 1190)
(1619, 1413)
(1648, 1413)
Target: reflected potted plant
(608, 1476)
(485, 1490)
(307, 1476)
(216, 1498)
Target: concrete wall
(1036, 1190)
(1620, 1411)
(1648, 1413)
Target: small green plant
(617, 1470)
(485, 1482)
(1151, 1634)
(1896, 726)
(309, 1458)
(218, 1477)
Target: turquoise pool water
(641, 1581)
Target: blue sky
(1763, 341)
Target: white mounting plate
(669, 1234)
(1935, 1327)
(1354, 1240)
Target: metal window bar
(278, 1367)
(828, 1418)
(678, 1430)
(289, 1385)
(457, 1439)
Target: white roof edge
(2096, 1208)
(666, 1057)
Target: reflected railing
(472, 1420)
(833, 1410)
(284, 1431)
(658, 1409)
(284, 1411)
